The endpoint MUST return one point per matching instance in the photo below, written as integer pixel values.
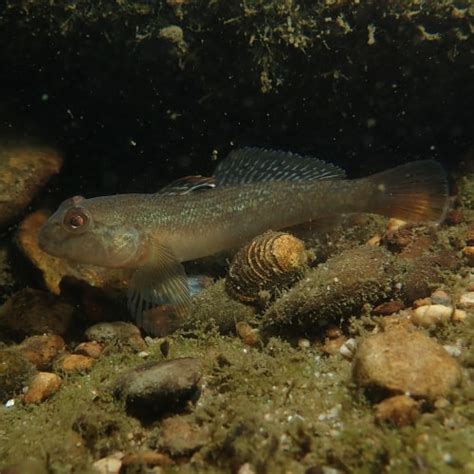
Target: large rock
(405, 361)
(158, 387)
(24, 170)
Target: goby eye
(75, 219)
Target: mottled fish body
(251, 191)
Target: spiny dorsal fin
(252, 165)
(187, 185)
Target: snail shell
(270, 261)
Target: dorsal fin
(252, 165)
(188, 184)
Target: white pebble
(431, 315)
(454, 351)
(347, 350)
(467, 300)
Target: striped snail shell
(269, 262)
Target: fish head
(80, 231)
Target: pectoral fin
(161, 280)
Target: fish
(251, 191)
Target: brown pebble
(421, 302)
(405, 361)
(332, 346)
(389, 307)
(149, 458)
(179, 437)
(469, 254)
(90, 349)
(249, 335)
(42, 350)
(399, 410)
(333, 332)
(76, 363)
(42, 386)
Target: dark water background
(129, 117)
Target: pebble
(249, 335)
(24, 170)
(432, 315)
(404, 361)
(333, 346)
(15, 373)
(399, 410)
(41, 351)
(441, 297)
(181, 438)
(388, 308)
(148, 458)
(90, 349)
(469, 254)
(109, 465)
(347, 350)
(75, 363)
(32, 312)
(41, 387)
(466, 301)
(117, 331)
(158, 387)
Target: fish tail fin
(415, 192)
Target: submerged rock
(42, 350)
(15, 373)
(158, 387)
(32, 312)
(24, 170)
(399, 410)
(117, 331)
(404, 361)
(338, 288)
(41, 387)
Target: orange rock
(24, 170)
(90, 349)
(76, 363)
(399, 411)
(469, 254)
(42, 350)
(43, 385)
(249, 335)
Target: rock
(15, 373)
(158, 387)
(348, 348)
(109, 465)
(75, 363)
(333, 346)
(42, 350)
(388, 308)
(250, 336)
(90, 349)
(41, 387)
(31, 312)
(337, 288)
(24, 170)
(55, 270)
(469, 254)
(399, 410)
(404, 361)
(441, 297)
(147, 458)
(466, 300)
(432, 315)
(181, 438)
(110, 331)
